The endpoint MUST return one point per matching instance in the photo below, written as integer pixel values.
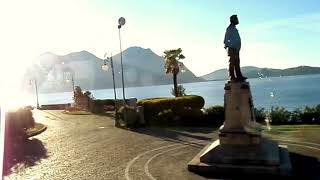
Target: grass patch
(298, 132)
(37, 129)
(294, 127)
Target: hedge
(260, 114)
(307, 115)
(159, 109)
(98, 105)
(18, 121)
(277, 115)
(131, 119)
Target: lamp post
(36, 87)
(121, 22)
(72, 81)
(66, 78)
(104, 67)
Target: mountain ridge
(256, 72)
(142, 67)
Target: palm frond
(172, 58)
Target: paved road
(90, 147)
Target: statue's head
(234, 19)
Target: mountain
(255, 72)
(142, 67)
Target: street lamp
(105, 67)
(121, 22)
(72, 80)
(36, 87)
(67, 74)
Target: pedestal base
(241, 150)
(265, 159)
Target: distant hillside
(255, 72)
(142, 67)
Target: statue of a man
(232, 43)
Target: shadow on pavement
(107, 113)
(23, 154)
(303, 167)
(173, 135)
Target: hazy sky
(275, 33)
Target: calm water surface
(290, 92)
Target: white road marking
(140, 155)
(310, 147)
(298, 142)
(146, 166)
(130, 163)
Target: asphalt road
(90, 147)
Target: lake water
(290, 92)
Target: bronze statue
(232, 43)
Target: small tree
(77, 94)
(82, 100)
(172, 63)
(180, 89)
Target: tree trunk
(175, 84)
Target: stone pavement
(90, 147)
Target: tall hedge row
(161, 109)
(307, 115)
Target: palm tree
(172, 65)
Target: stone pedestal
(241, 148)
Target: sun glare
(11, 94)
(14, 99)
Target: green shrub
(110, 102)
(186, 116)
(260, 115)
(164, 117)
(131, 118)
(98, 105)
(214, 115)
(18, 121)
(310, 115)
(152, 107)
(279, 115)
(317, 110)
(217, 112)
(188, 101)
(296, 116)
(191, 116)
(148, 99)
(190, 113)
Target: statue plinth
(240, 147)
